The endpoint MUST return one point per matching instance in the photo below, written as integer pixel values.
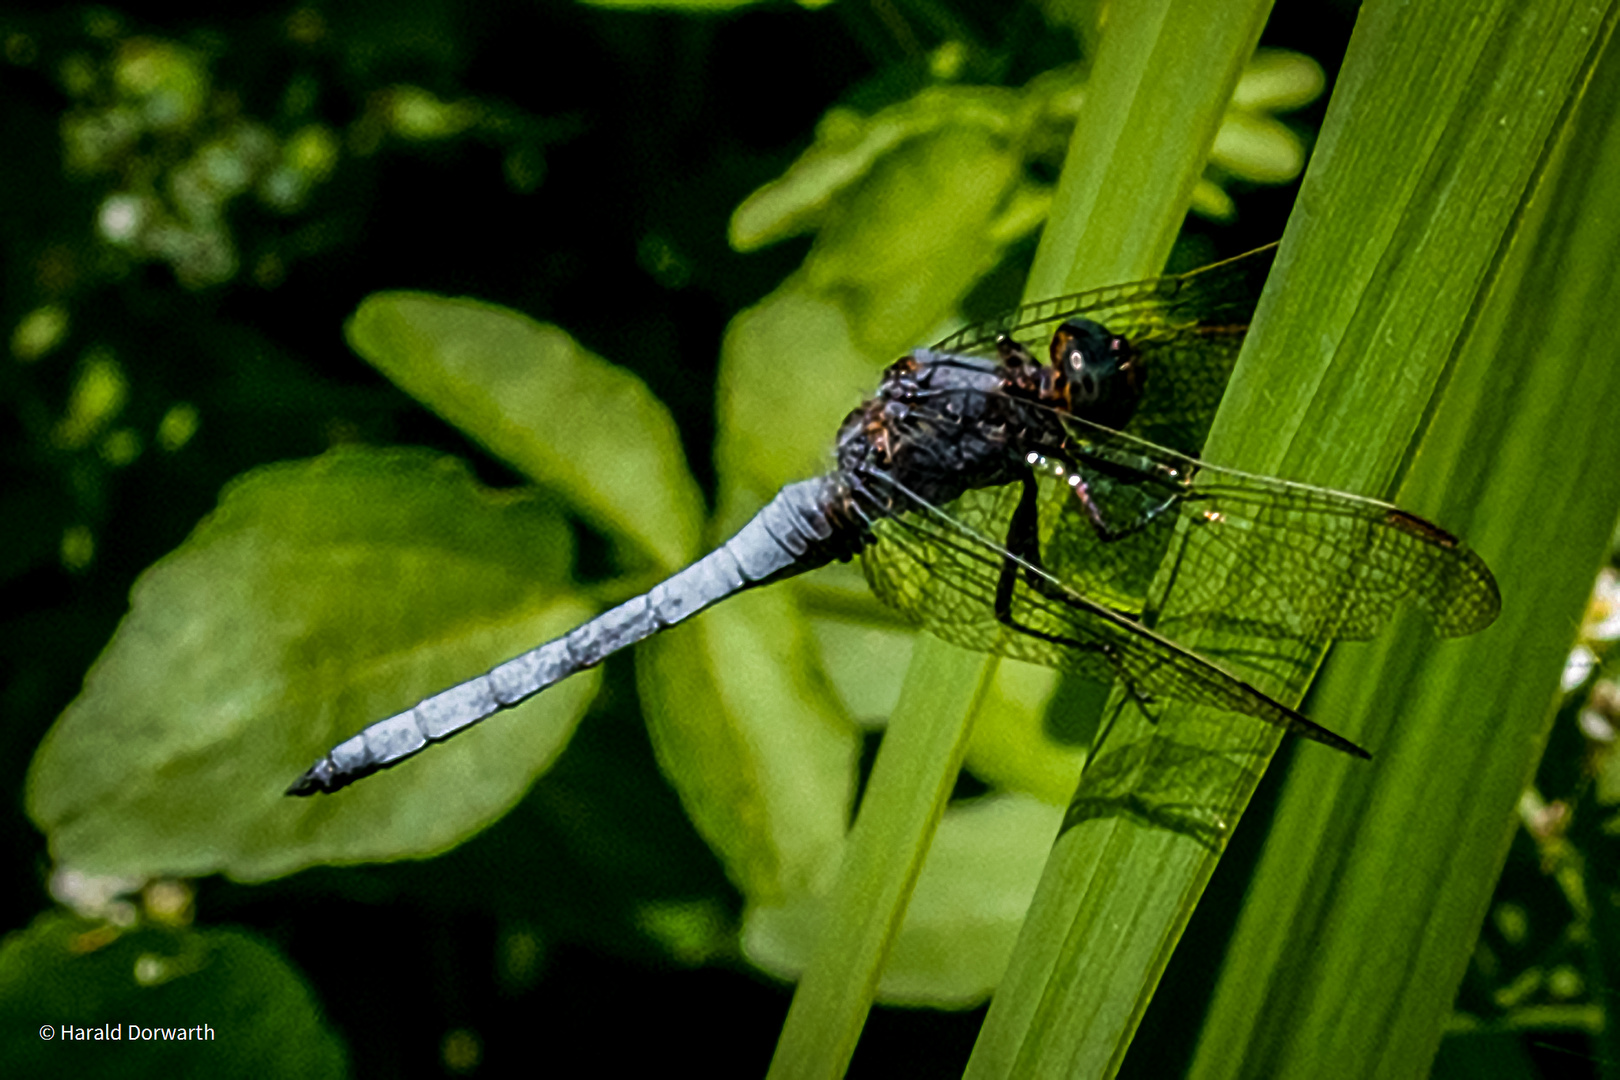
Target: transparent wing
(942, 573)
(1289, 560)
(1187, 327)
(1223, 293)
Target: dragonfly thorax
(941, 424)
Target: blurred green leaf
(1258, 147)
(865, 660)
(849, 148)
(755, 743)
(916, 233)
(789, 373)
(963, 917)
(1013, 745)
(62, 971)
(1276, 80)
(532, 396)
(945, 172)
(320, 596)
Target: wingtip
(1339, 742)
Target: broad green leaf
(534, 397)
(320, 596)
(865, 660)
(963, 918)
(761, 753)
(1013, 747)
(754, 742)
(244, 1011)
(849, 148)
(907, 244)
(789, 373)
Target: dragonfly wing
(1320, 565)
(942, 573)
(1187, 329)
(943, 576)
(1224, 293)
(1186, 372)
(1263, 556)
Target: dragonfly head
(1100, 374)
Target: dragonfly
(1022, 507)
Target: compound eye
(1070, 352)
(1101, 376)
(1087, 355)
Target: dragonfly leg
(1106, 530)
(1023, 548)
(1023, 554)
(1009, 351)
